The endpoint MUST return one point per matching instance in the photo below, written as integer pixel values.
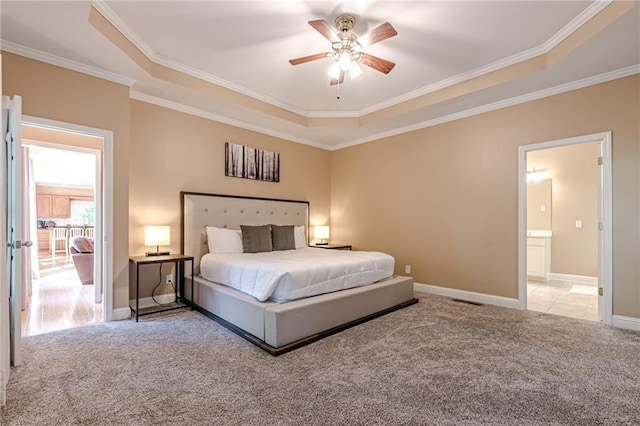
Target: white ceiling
(245, 46)
(61, 167)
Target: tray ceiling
(228, 60)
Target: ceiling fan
(347, 48)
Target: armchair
(82, 255)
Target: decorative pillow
(300, 237)
(256, 239)
(222, 240)
(282, 237)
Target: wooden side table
(178, 260)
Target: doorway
(565, 227)
(61, 181)
(72, 135)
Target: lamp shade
(321, 232)
(157, 235)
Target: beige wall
(574, 174)
(59, 94)
(539, 205)
(173, 152)
(442, 199)
(445, 199)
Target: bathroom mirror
(539, 205)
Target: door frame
(605, 246)
(104, 203)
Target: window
(82, 212)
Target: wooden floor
(59, 300)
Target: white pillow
(300, 237)
(222, 240)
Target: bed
(278, 323)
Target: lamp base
(157, 253)
(322, 244)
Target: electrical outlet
(407, 269)
(169, 279)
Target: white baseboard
(120, 314)
(582, 279)
(469, 296)
(628, 323)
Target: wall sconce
(321, 233)
(157, 236)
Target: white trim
(221, 119)
(628, 323)
(605, 242)
(517, 58)
(592, 10)
(107, 199)
(470, 296)
(148, 302)
(544, 93)
(582, 279)
(121, 314)
(48, 58)
(544, 48)
(563, 88)
(126, 31)
(106, 75)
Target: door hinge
(600, 291)
(600, 226)
(599, 161)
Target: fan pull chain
(338, 90)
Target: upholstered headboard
(229, 211)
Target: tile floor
(576, 300)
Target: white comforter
(294, 274)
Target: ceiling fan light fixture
(334, 71)
(354, 69)
(347, 49)
(344, 61)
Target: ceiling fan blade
(377, 64)
(309, 58)
(323, 28)
(379, 33)
(339, 80)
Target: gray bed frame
(275, 327)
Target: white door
(15, 221)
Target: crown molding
(544, 48)
(562, 34)
(121, 26)
(584, 16)
(221, 119)
(48, 58)
(556, 90)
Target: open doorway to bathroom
(565, 240)
(62, 173)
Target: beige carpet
(439, 362)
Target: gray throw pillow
(282, 237)
(256, 239)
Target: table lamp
(321, 233)
(157, 236)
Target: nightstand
(178, 260)
(333, 246)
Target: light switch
(543, 208)
(578, 224)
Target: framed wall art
(251, 163)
